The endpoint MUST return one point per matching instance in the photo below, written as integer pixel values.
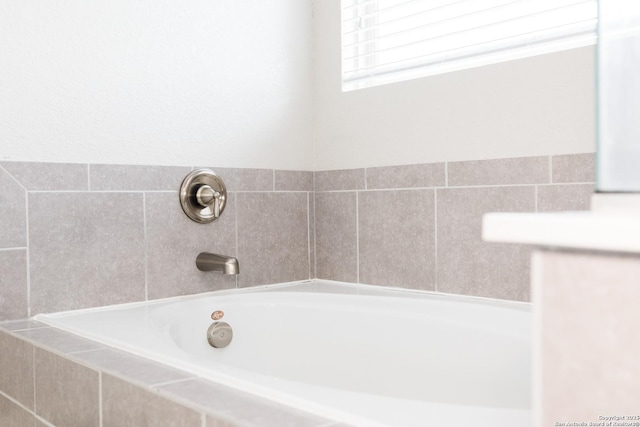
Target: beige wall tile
(13, 208)
(16, 368)
(59, 340)
(13, 284)
(135, 368)
(273, 241)
(336, 241)
(38, 176)
(240, 408)
(521, 170)
(293, 180)
(124, 404)
(236, 179)
(12, 415)
(574, 168)
(136, 177)
(466, 264)
(406, 176)
(565, 197)
(174, 242)
(66, 393)
(86, 250)
(397, 238)
(346, 179)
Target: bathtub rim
(328, 286)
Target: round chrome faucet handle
(207, 196)
(203, 196)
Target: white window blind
(385, 41)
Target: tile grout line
(446, 174)
(146, 246)
(556, 184)
(33, 359)
(435, 237)
(17, 248)
(309, 232)
(315, 236)
(100, 398)
(18, 403)
(25, 329)
(357, 239)
(105, 191)
(322, 191)
(90, 350)
(235, 204)
(43, 421)
(28, 254)
(274, 180)
(13, 178)
(455, 187)
(157, 386)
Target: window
(385, 41)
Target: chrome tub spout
(214, 262)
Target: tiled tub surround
(80, 235)
(419, 226)
(75, 236)
(52, 378)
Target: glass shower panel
(618, 163)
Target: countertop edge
(586, 230)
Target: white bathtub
(364, 356)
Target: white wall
(537, 106)
(179, 82)
(231, 83)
